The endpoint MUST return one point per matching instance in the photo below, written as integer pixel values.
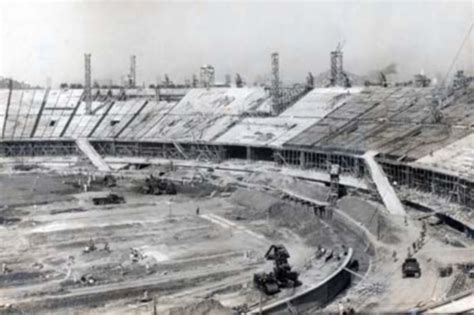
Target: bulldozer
(282, 276)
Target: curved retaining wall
(320, 294)
(325, 291)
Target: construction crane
(338, 77)
(340, 45)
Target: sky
(48, 39)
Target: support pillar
(221, 153)
(302, 159)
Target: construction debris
(158, 186)
(445, 271)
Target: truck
(109, 199)
(411, 268)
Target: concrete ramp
(385, 189)
(180, 149)
(86, 148)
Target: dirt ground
(383, 288)
(202, 264)
(48, 221)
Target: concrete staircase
(86, 148)
(385, 189)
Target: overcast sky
(48, 39)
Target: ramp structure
(385, 189)
(86, 148)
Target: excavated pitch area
(47, 222)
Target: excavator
(281, 277)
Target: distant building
(207, 76)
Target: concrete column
(249, 153)
(302, 159)
(221, 152)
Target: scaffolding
(38, 148)
(132, 79)
(88, 83)
(333, 196)
(336, 78)
(337, 75)
(455, 187)
(275, 91)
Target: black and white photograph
(231, 157)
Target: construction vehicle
(109, 199)
(445, 271)
(282, 274)
(411, 268)
(88, 279)
(90, 247)
(158, 186)
(282, 269)
(266, 282)
(110, 181)
(354, 265)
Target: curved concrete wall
(319, 294)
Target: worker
(145, 297)
(341, 308)
(197, 210)
(344, 249)
(122, 270)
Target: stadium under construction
(165, 199)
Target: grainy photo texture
(236, 157)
